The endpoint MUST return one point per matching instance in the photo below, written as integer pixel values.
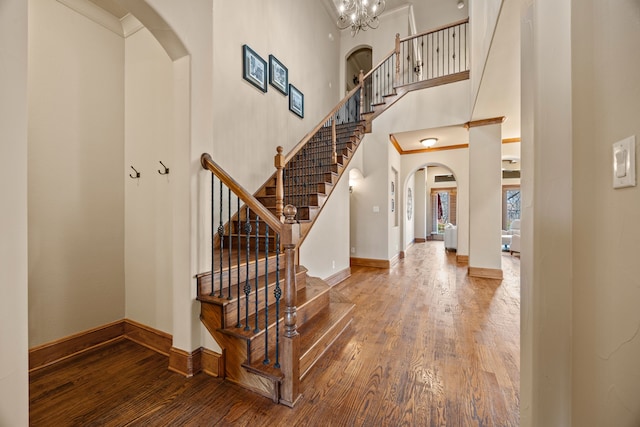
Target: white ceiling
(112, 7)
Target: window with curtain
(510, 205)
(443, 208)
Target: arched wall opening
(423, 218)
(359, 59)
(105, 94)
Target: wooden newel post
(279, 164)
(397, 59)
(290, 387)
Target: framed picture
(254, 68)
(296, 101)
(278, 75)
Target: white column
(485, 198)
(14, 379)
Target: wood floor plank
(428, 346)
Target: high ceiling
(112, 7)
(499, 93)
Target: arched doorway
(358, 60)
(430, 205)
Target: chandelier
(360, 15)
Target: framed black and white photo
(296, 101)
(254, 68)
(278, 75)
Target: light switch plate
(624, 163)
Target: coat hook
(166, 169)
(137, 173)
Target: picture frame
(296, 101)
(254, 68)
(278, 75)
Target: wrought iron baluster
(239, 231)
(213, 234)
(256, 296)
(454, 50)
(247, 285)
(277, 293)
(266, 360)
(230, 240)
(221, 238)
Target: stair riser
(262, 228)
(252, 243)
(311, 357)
(304, 313)
(322, 188)
(204, 280)
(231, 309)
(235, 355)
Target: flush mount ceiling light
(460, 4)
(360, 15)
(429, 142)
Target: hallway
(428, 346)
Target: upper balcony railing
(423, 57)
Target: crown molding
(96, 14)
(402, 152)
(485, 122)
(130, 25)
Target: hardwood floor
(429, 346)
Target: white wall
(149, 139)
(14, 381)
(606, 235)
(191, 23)
(430, 14)
(249, 124)
(76, 179)
(483, 17)
(547, 262)
(369, 233)
(325, 251)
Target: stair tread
(213, 299)
(312, 331)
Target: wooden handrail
(253, 203)
(315, 130)
(435, 30)
(386, 58)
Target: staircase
(271, 318)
